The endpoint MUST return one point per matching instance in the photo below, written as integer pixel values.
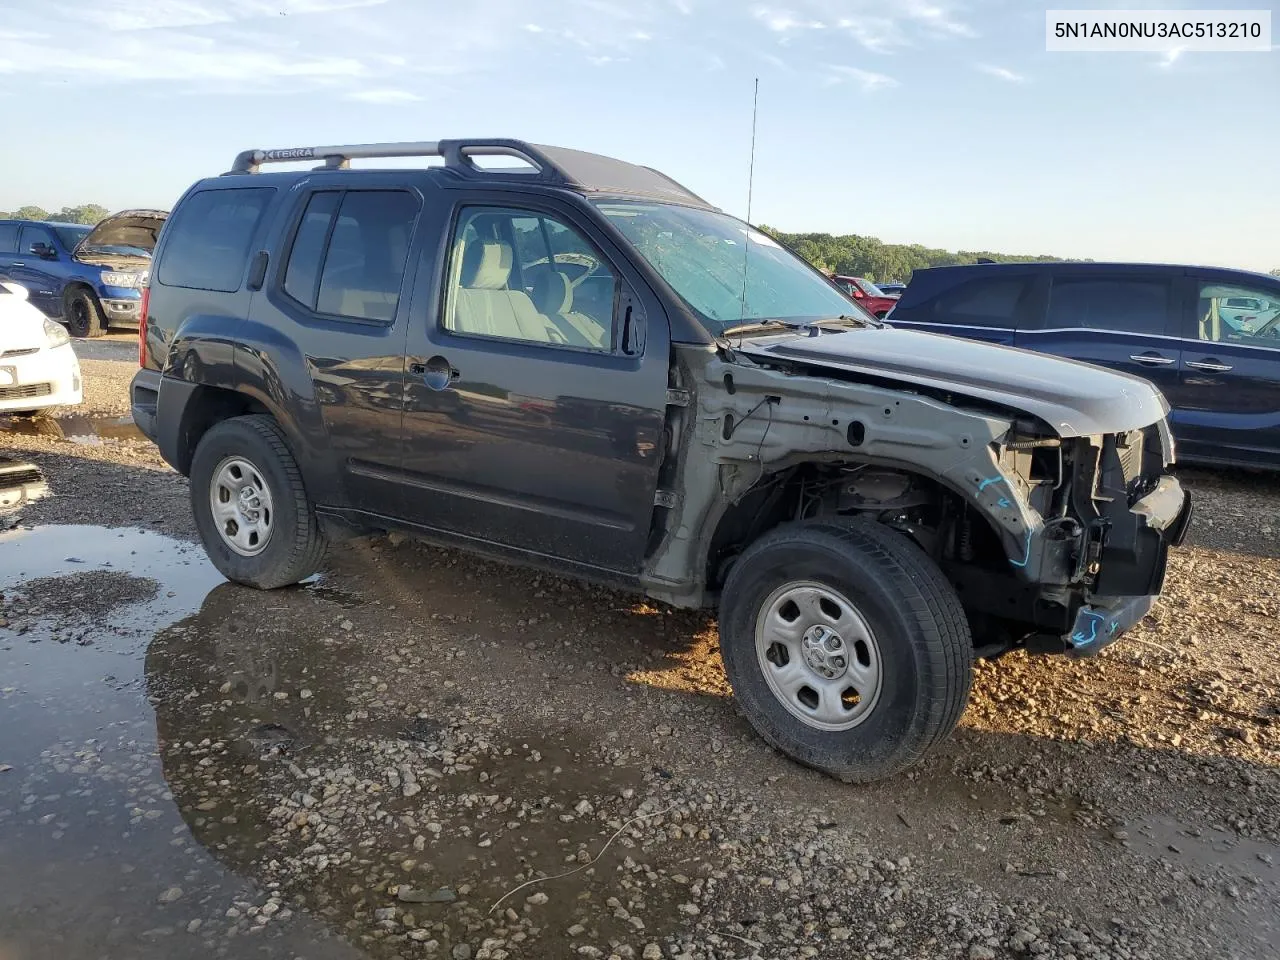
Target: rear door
(987, 307)
(1125, 320)
(42, 278)
(534, 410)
(337, 294)
(1229, 386)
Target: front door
(534, 407)
(1229, 393)
(1128, 322)
(41, 277)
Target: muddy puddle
(74, 428)
(1205, 849)
(192, 768)
(98, 861)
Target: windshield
(727, 272)
(70, 236)
(869, 288)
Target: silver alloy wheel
(241, 504)
(818, 656)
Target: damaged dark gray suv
(574, 362)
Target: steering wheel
(590, 263)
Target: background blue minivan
(1209, 338)
(87, 277)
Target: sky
(941, 122)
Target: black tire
(295, 546)
(83, 313)
(922, 643)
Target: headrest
(552, 293)
(486, 265)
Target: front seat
(485, 305)
(554, 296)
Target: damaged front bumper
(1131, 567)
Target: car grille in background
(26, 391)
(23, 352)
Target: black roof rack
(574, 169)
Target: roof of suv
(558, 166)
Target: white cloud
(1001, 73)
(879, 26)
(868, 80)
(382, 96)
(784, 21)
(938, 16)
(1170, 57)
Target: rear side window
(1129, 306)
(349, 253)
(982, 303)
(8, 238)
(209, 236)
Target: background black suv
(1209, 338)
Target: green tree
(31, 212)
(858, 256)
(88, 213)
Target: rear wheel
(83, 314)
(251, 507)
(846, 647)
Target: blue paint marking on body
(1005, 503)
(1026, 553)
(1095, 618)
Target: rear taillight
(142, 326)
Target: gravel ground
(427, 766)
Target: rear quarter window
(208, 238)
(991, 302)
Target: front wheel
(251, 507)
(83, 314)
(846, 647)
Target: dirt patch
(73, 601)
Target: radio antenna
(751, 170)
(751, 178)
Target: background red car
(870, 297)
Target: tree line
(857, 256)
(849, 254)
(852, 255)
(89, 213)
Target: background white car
(38, 368)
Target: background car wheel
(846, 647)
(251, 507)
(83, 315)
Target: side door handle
(1151, 359)
(1213, 366)
(17, 263)
(437, 373)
